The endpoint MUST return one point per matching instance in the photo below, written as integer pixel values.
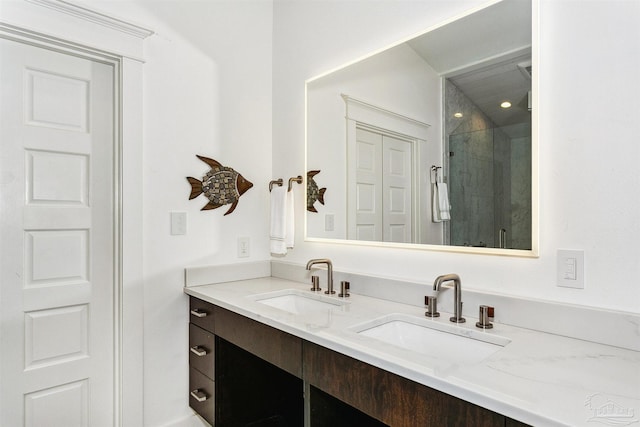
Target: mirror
(411, 146)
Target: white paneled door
(383, 188)
(57, 216)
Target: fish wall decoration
(313, 192)
(222, 185)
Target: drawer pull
(199, 395)
(198, 312)
(198, 351)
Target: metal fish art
(221, 185)
(313, 192)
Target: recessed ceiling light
(505, 104)
(457, 115)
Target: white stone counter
(538, 378)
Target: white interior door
(57, 211)
(368, 186)
(397, 181)
(383, 188)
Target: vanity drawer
(202, 350)
(201, 314)
(202, 395)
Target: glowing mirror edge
(534, 252)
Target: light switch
(329, 222)
(178, 223)
(570, 268)
(570, 264)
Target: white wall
(207, 90)
(589, 175)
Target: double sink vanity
(277, 353)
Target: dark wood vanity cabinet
(394, 400)
(251, 377)
(202, 359)
(256, 375)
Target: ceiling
(507, 81)
(487, 55)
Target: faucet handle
(486, 314)
(344, 289)
(432, 306)
(315, 282)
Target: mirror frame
(535, 214)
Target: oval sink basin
(448, 342)
(298, 302)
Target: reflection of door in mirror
(386, 154)
(383, 188)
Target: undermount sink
(298, 302)
(453, 343)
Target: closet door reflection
(383, 188)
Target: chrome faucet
(329, 272)
(457, 299)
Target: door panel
(368, 186)
(57, 211)
(397, 215)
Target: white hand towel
(443, 201)
(440, 208)
(435, 200)
(289, 236)
(278, 220)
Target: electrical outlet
(243, 247)
(570, 266)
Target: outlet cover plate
(244, 247)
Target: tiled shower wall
(488, 178)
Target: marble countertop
(538, 378)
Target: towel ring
(297, 179)
(278, 182)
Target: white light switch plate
(178, 223)
(570, 265)
(329, 222)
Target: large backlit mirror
(429, 143)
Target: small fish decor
(221, 185)
(313, 192)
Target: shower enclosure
(490, 187)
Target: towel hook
(435, 168)
(297, 179)
(278, 182)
